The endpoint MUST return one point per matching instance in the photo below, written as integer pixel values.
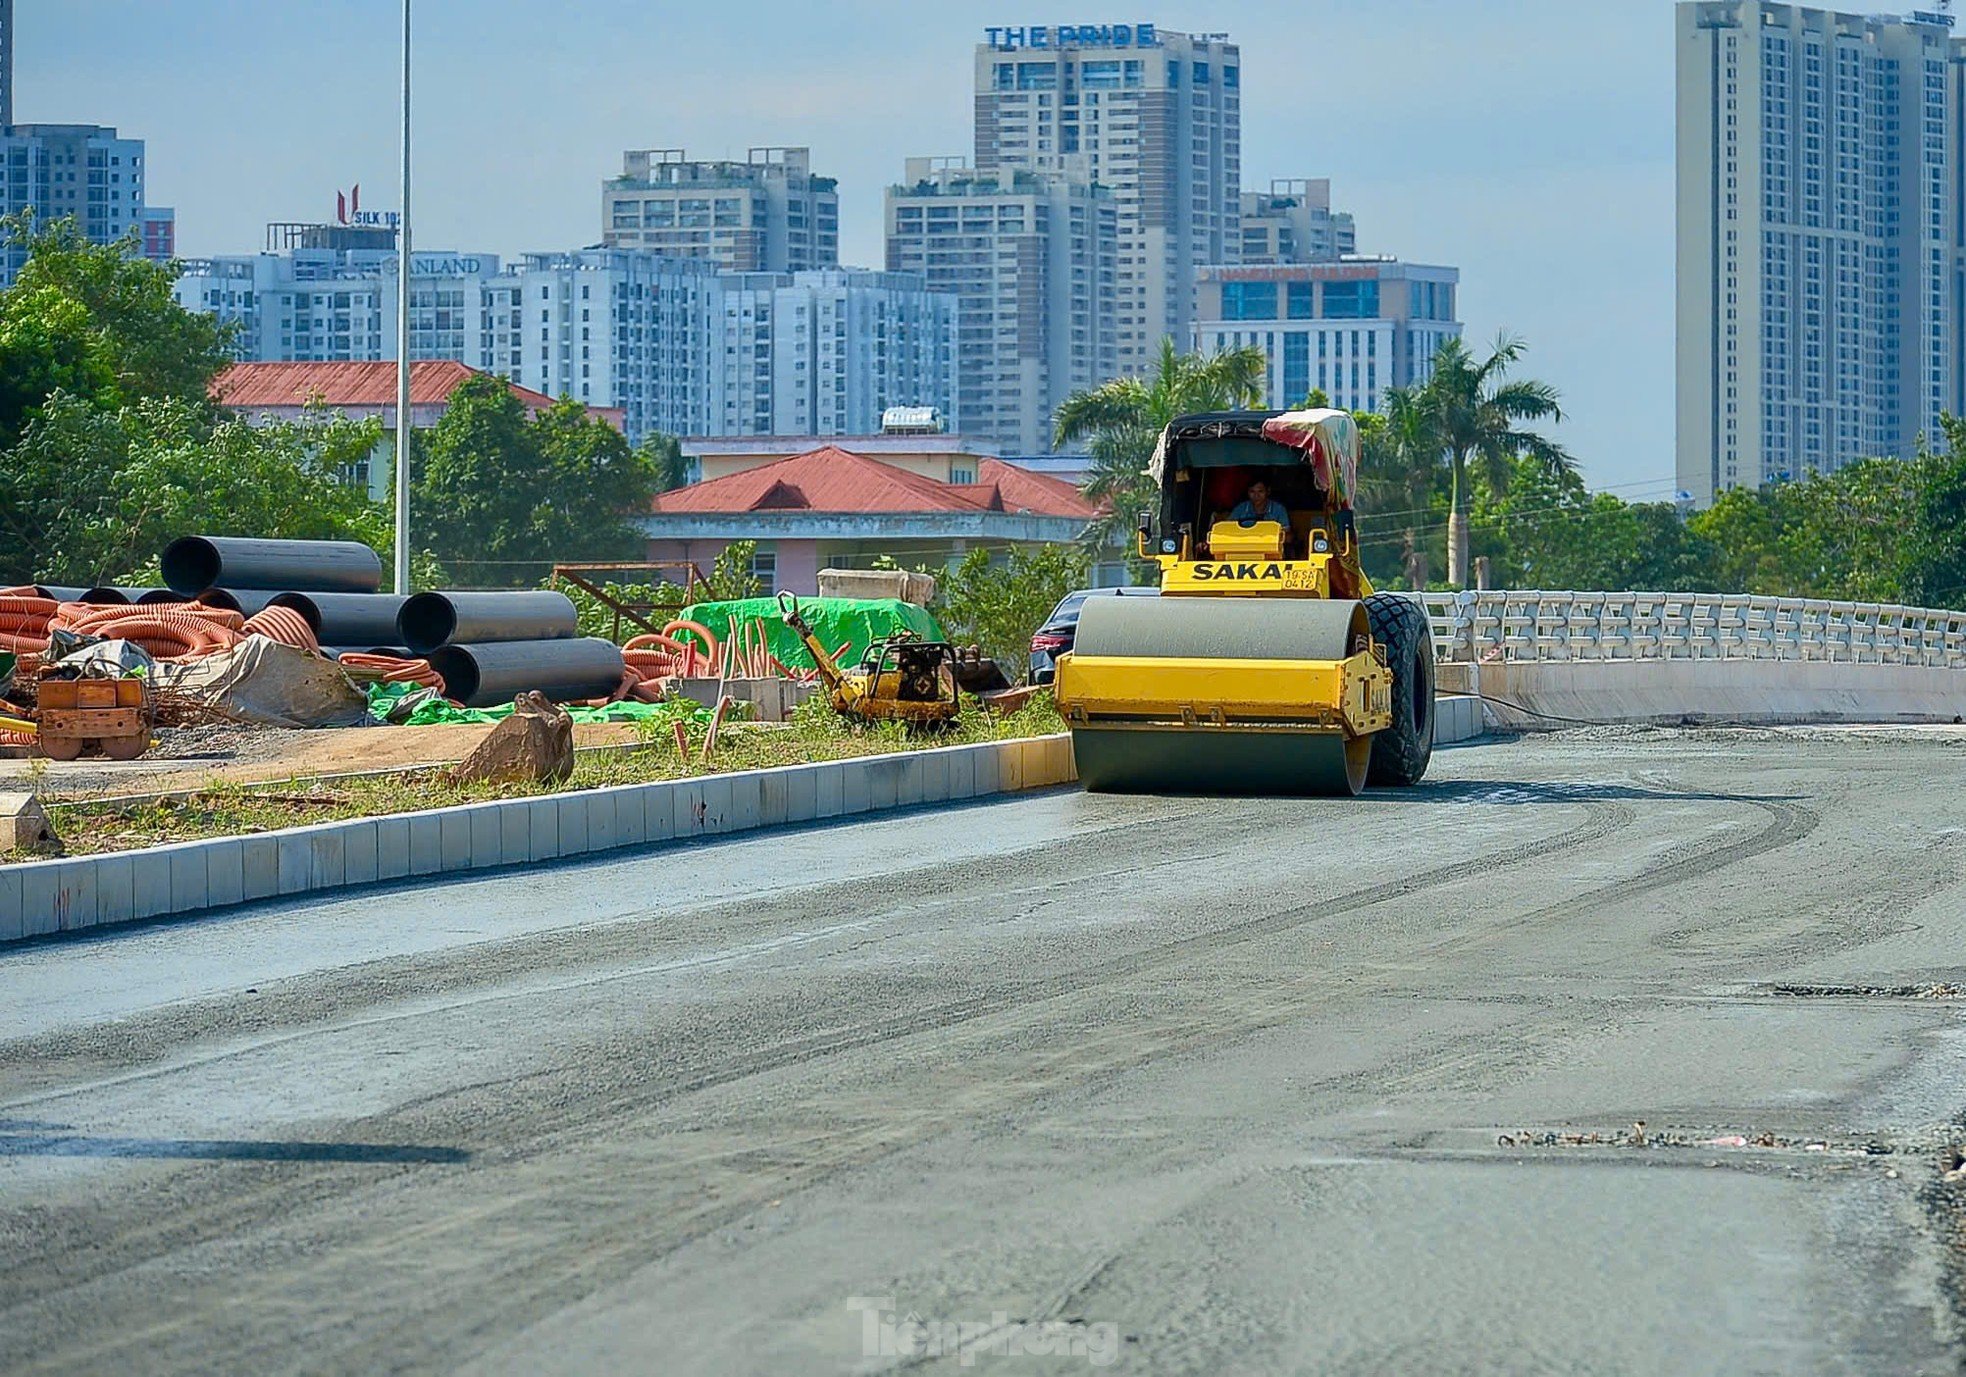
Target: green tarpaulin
(406, 705)
(855, 623)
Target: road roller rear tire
(1400, 753)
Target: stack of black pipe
(490, 647)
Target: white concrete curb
(42, 897)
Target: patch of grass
(816, 733)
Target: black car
(1055, 637)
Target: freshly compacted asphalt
(1603, 1052)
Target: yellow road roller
(1268, 665)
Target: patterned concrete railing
(1545, 626)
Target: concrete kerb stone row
(43, 897)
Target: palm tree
(1398, 471)
(1477, 415)
(1122, 420)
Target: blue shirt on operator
(1273, 510)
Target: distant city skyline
(1534, 149)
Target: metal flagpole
(403, 338)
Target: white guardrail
(1508, 626)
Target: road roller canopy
(1307, 458)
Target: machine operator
(1258, 506)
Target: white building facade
(1819, 238)
(659, 338)
(1352, 328)
(1293, 222)
(1032, 257)
(1157, 118)
(768, 213)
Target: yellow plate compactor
(1267, 665)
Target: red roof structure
(364, 386)
(835, 480)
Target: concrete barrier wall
(1541, 695)
(44, 897)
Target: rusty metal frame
(693, 581)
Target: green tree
(95, 494)
(664, 456)
(1544, 530)
(1122, 420)
(1848, 534)
(1479, 417)
(731, 572)
(499, 497)
(1934, 557)
(593, 485)
(98, 322)
(1399, 486)
(997, 603)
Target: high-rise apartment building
(1156, 117)
(1032, 257)
(83, 172)
(827, 352)
(1819, 238)
(765, 214)
(1352, 328)
(1293, 222)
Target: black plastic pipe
(348, 619)
(429, 620)
(151, 597)
(483, 676)
(335, 652)
(247, 602)
(43, 590)
(195, 563)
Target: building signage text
(1013, 38)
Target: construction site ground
(188, 757)
(1599, 1052)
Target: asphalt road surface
(1058, 1084)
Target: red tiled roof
(245, 386)
(831, 479)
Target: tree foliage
(998, 603)
(1121, 420)
(499, 496)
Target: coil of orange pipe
(391, 670)
(284, 625)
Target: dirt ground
(186, 757)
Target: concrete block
(962, 772)
(774, 806)
(426, 843)
(76, 899)
(802, 793)
(687, 808)
(989, 771)
(296, 862)
(327, 857)
(225, 874)
(392, 848)
(543, 828)
(13, 921)
(747, 801)
(658, 811)
(453, 840)
(487, 837)
(573, 815)
(1010, 767)
(716, 804)
(41, 898)
(515, 831)
(910, 786)
(361, 852)
(1061, 751)
(829, 789)
(24, 825)
(935, 776)
(150, 884)
(191, 878)
(857, 788)
(116, 895)
(630, 825)
(600, 820)
(262, 867)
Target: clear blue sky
(1528, 142)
